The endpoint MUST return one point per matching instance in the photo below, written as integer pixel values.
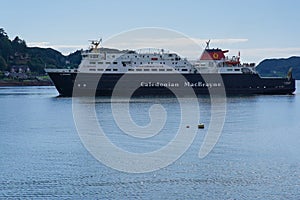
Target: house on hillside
(19, 69)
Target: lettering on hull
(185, 84)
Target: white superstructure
(101, 60)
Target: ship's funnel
(213, 54)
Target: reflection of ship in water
(156, 73)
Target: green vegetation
(16, 53)
(279, 67)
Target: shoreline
(4, 83)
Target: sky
(259, 29)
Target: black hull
(88, 84)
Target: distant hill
(16, 53)
(279, 67)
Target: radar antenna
(96, 43)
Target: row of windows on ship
(124, 62)
(139, 70)
(95, 56)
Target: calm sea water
(42, 156)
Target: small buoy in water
(187, 126)
(201, 126)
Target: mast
(96, 43)
(207, 44)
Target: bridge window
(93, 56)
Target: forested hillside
(16, 53)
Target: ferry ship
(158, 72)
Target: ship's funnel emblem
(215, 56)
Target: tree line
(16, 53)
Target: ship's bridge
(215, 61)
